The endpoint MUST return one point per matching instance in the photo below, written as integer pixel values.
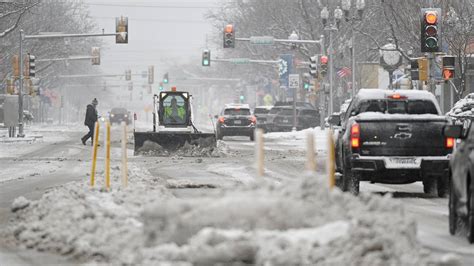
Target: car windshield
(119, 111)
(415, 107)
(237, 111)
(309, 112)
(259, 111)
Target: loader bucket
(162, 143)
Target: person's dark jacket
(91, 116)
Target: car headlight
(125, 116)
(112, 115)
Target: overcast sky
(159, 31)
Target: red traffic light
(229, 28)
(324, 60)
(431, 17)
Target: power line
(158, 20)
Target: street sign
(262, 40)
(294, 81)
(240, 60)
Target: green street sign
(240, 60)
(262, 40)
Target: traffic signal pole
(24, 37)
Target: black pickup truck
(393, 137)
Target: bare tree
(11, 14)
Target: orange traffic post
(331, 160)
(95, 145)
(124, 155)
(107, 155)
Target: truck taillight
(450, 143)
(221, 119)
(355, 136)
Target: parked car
(236, 120)
(117, 115)
(393, 137)
(461, 182)
(261, 113)
(281, 118)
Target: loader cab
(174, 109)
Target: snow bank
(87, 224)
(299, 223)
(153, 149)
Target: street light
(293, 37)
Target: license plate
(237, 122)
(402, 163)
(285, 121)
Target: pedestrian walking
(91, 118)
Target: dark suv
(117, 115)
(236, 120)
(280, 118)
(261, 113)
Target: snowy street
(60, 159)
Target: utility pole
(331, 70)
(20, 92)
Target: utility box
(10, 111)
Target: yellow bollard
(259, 152)
(331, 160)
(107, 155)
(310, 160)
(95, 143)
(124, 155)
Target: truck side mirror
(453, 131)
(335, 120)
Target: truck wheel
(219, 136)
(470, 215)
(252, 137)
(430, 186)
(351, 182)
(453, 217)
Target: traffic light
(448, 67)
(95, 53)
(166, 79)
(229, 36)
(151, 74)
(324, 65)
(121, 30)
(206, 58)
(306, 82)
(128, 74)
(423, 68)
(16, 66)
(313, 66)
(430, 30)
(414, 71)
(30, 66)
(242, 98)
(161, 86)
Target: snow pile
(150, 148)
(301, 224)
(87, 224)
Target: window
(260, 111)
(174, 107)
(415, 107)
(237, 111)
(275, 111)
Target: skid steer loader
(173, 126)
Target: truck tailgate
(402, 135)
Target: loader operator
(174, 113)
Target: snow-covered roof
(237, 105)
(383, 94)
